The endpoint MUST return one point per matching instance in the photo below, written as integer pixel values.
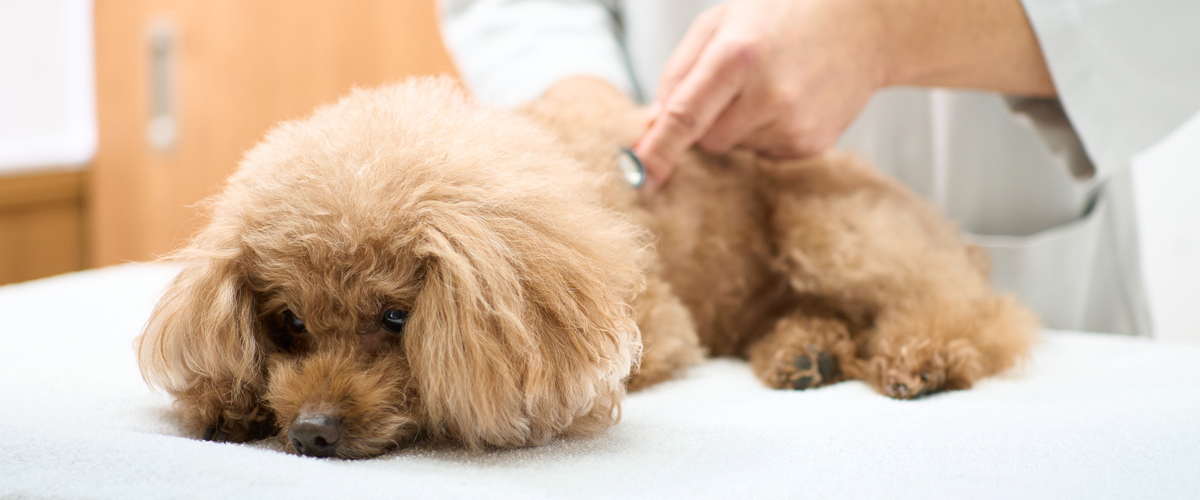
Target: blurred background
(117, 116)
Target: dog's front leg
(224, 411)
(804, 351)
(669, 342)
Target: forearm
(976, 44)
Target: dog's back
(819, 260)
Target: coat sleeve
(1127, 71)
(510, 51)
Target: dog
(409, 265)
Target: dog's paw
(239, 432)
(218, 412)
(912, 386)
(805, 368)
(921, 368)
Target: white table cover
(1091, 416)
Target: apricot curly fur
(538, 286)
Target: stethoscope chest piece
(631, 168)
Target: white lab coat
(1044, 185)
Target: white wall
(1167, 186)
(47, 84)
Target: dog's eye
(292, 323)
(394, 320)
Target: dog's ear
(200, 343)
(519, 335)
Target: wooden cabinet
(41, 224)
(225, 70)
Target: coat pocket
(1050, 271)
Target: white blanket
(1091, 417)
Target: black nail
(802, 383)
(208, 433)
(802, 362)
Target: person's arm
(974, 44)
(786, 77)
(509, 51)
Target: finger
(785, 140)
(748, 113)
(701, 96)
(687, 52)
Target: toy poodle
(407, 264)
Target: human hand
(783, 77)
(786, 77)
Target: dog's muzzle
(315, 435)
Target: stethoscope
(631, 168)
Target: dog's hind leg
(931, 321)
(945, 344)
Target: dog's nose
(315, 435)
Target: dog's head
(403, 263)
